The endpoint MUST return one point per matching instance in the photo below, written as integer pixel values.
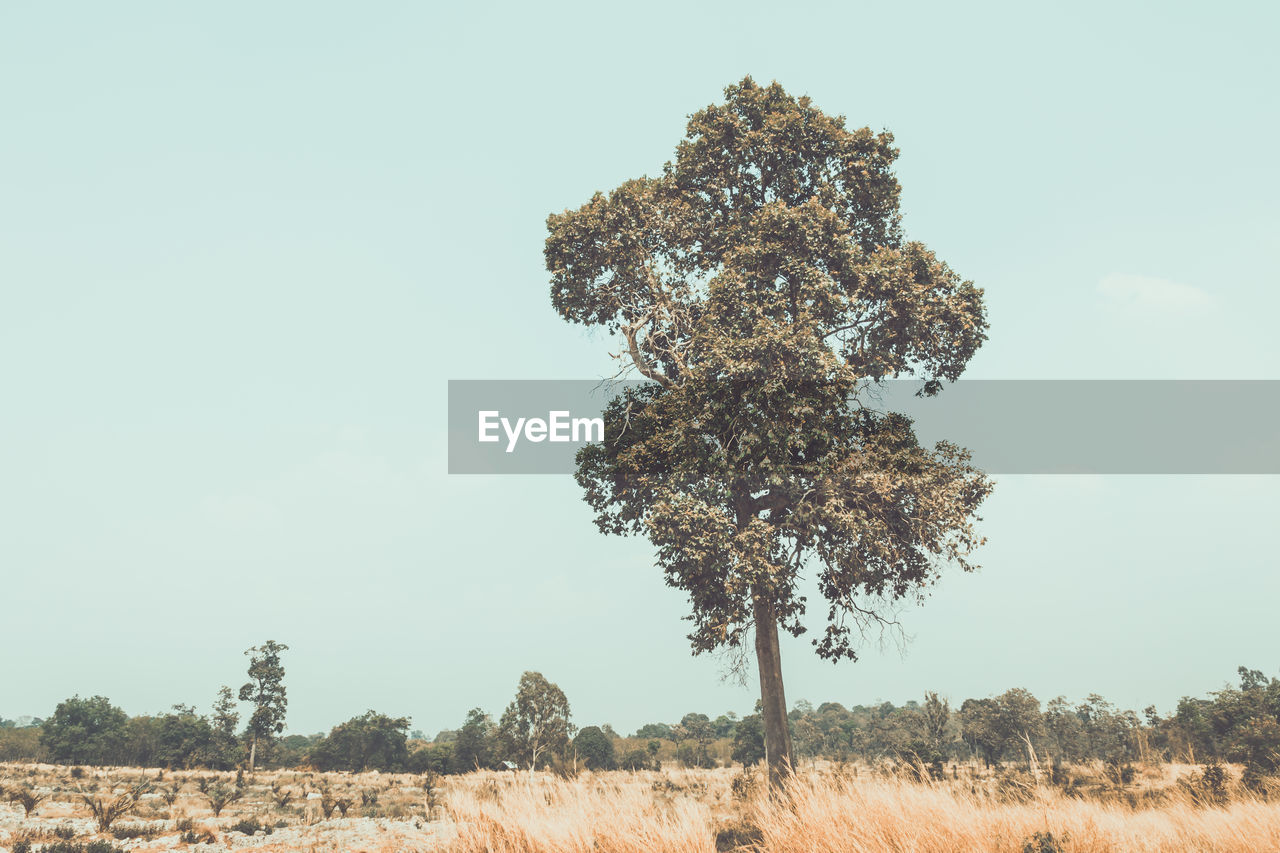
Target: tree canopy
(370, 741)
(85, 731)
(595, 748)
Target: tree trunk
(773, 703)
(253, 751)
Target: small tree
(430, 792)
(220, 796)
(537, 721)
(224, 746)
(171, 793)
(265, 689)
(327, 802)
(937, 713)
(25, 797)
(748, 741)
(652, 747)
(106, 809)
(698, 728)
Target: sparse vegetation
(123, 832)
(251, 825)
(107, 809)
(23, 796)
(220, 795)
(327, 803)
(1001, 773)
(830, 806)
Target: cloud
(1149, 294)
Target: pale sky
(244, 246)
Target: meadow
(828, 807)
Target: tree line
(1239, 724)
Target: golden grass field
(828, 807)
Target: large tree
(763, 285)
(473, 743)
(265, 689)
(370, 741)
(86, 731)
(595, 748)
(536, 723)
(183, 738)
(1000, 726)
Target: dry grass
(830, 810)
(611, 813)
(845, 815)
(827, 808)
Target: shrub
(737, 836)
(1015, 787)
(251, 825)
(743, 785)
(145, 831)
(1208, 787)
(1258, 782)
(74, 847)
(431, 791)
(203, 835)
(98, 847)
(1044, 842)
(398, 811)
(1121, 773)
